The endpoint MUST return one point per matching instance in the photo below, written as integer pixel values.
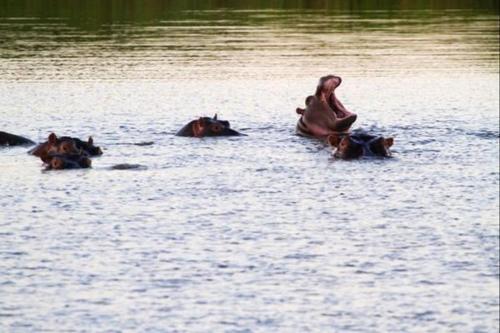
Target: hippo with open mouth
(206, 126)
(324, 113)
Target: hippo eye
(66, 147)
(216, 128)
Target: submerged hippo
(7, 139)
(324, 113)
(206, 126)
(65, 145)
(352, 146)
(67, 161)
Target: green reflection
(150, 38)
(94, 13)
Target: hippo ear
(52, 138)
(309, 99)
(300, 111)
(334, 140)
(90, 141)
(388, 142)
(215, 116)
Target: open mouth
(333, 102)
(337, 107)
(344, 119)
(332, 83)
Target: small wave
(15, 253)
(424, 141)
(145, 143)
(485, 134)
(301, 256)
(373, 130)
(425, 315)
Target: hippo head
(325, 91)
(60, 162)
(89, 147)
(206, 126)
(380, 146)
(55, 146)
(324, 113)
(61, 145)
(347, 148)
(356, 146)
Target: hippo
(357, 145)
(324, 113)
(7, 139)
(87, 146)
(67, 161)
(65, 145)
(206, 126)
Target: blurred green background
(88, 13)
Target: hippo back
(7, 139)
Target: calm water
(263, 233)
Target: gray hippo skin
(357, 145)
(7, 139)
(67, 161)
(206, 126)
(54, 144)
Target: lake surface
(261, 233)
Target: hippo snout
(345, 123)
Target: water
(259, 233)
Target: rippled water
(265, 232)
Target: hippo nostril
(57, 163)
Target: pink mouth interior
(338, 108)
(344, 118)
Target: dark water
(259, 233)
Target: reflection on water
(267, 232)
(123, 42)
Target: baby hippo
(67, 161)
(206, 126)
(352, 146)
